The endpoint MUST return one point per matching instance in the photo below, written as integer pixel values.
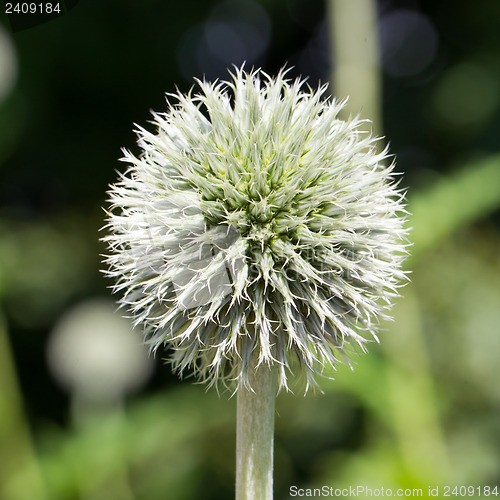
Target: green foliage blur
(421, 409)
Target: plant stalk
(355, 57)
(255, 436)
(20, 475)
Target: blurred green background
(82, 420)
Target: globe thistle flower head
(256, 224)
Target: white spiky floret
(256, 224)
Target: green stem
(255, 436)
(355, 57)
(20, 476)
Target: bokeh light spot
(466, 96)
(408, 42)
(94, 352)
(235, 32)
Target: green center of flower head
(258, 159)
(256, 221)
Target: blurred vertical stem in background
(354, 53)
(412, 395)
(355, 72)
(20, 477)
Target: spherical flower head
(256, 226)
